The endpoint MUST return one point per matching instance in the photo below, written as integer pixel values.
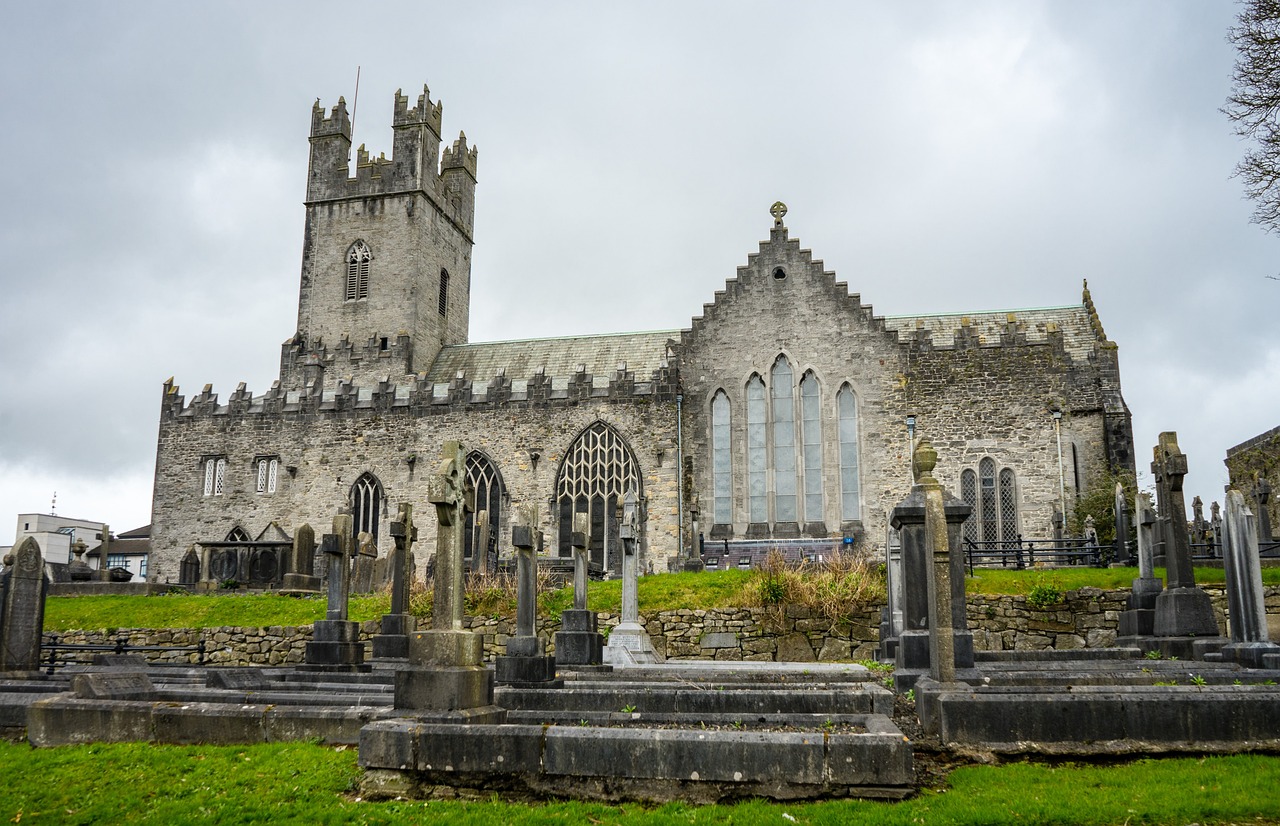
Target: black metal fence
(1021, 553)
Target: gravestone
(362, 566)
(480, 550)
(1122, 557)
(692, 558)
(79, 570)
(446, 670)
(393, 642)
(910, 519)
(189, 568)
(629, 644)
(579, 644)
(1199, 527)
(104, 569)
(891, 615)
(22, 610)
(526, 663)
(1183, 611)
(1139, 618)
(1262, 498)
(301, 578)
(335, 644)
(1246, 604)
(1217, 529)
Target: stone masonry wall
(1086, 618)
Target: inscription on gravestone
(22, 619)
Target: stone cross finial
(923, 461)
(778, 210)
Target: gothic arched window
(487, 483)
(597, 470)
(784, 441)
(811, 439)
(757, 453)
(969, 493)
(994, 499)
(1008, 507)
(237, 534)
(358, 258)
(850, 489)
(721, 460)
(366, 506)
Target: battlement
(414, 166)
(337, 124)
(418, 395)
(425, 113)
(459, 157)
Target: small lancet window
(358, 258)
(444, 292)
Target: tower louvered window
(850, 491)
(757, 455)
(811, 439)
(487, 484)
(358, 258)
(721, 460)
(994, 499)
(594, 477)
(444, 292)
(366, 506)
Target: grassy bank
(663, 592)
(302, 783)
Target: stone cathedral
(780, 413)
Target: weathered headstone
(920, 547)
(525, 663)
(1122, 556)
(1262, 498)
(189, 568)
(335, 644)
(1139, 618)
(446, 670)
(104, 568)
(1217, 529)
(480, 550)
(301, 578)
(363, 564)
(22, 614)
(1182, 610)
(692, 560)
(891, 617)
(1199, 527)
(393, 642)
(579, 644)
(629, 644)
(79, 570)
(1246, 604)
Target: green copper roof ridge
(986, 312)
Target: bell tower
(386, 258)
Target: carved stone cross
(453, 497)
(404, 533)
(1169, 466)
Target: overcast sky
(938, 157)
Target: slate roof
(558, 357)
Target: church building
(781, 416)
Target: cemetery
(560, 709)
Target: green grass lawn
(304, 783)
(663, 592)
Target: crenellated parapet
(415, 165)
(304, 362)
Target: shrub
(1044, 594)
(834, 588)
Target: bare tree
(1254, 106)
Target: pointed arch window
(721, 460)
(366, 506)
(784, 441)
(358, 258)
(993, 496)
(237, 534)
(850, 488)
(757, 454)
(597, 470)
(444, 292)
(811, 440)
(215, 475)
(268, 473)
(487, 484)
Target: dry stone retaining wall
(1085, 618)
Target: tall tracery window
(721, 460)
(358, 258)
(850, 491)
(597, 470)
(784, 441)
(757, 453)
(993, 497)
(366, 506)
(487, 484)
(444, 292)
(811, 439)
(215, 475)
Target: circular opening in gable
(779, 273)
